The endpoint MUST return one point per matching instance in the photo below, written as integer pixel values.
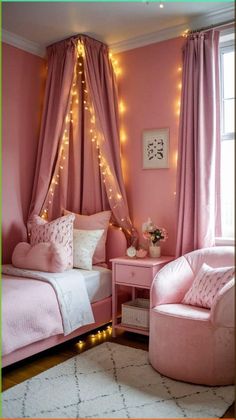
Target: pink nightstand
(135, 273)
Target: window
(227, 74)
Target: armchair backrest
(218, 256)
(223, 308)
(172, 282)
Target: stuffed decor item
(45, 256)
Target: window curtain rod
(209, 28)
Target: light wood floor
(24, 370)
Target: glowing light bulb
(121, 107)
(161, 5)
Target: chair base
(191, 350)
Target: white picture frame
(156, 148)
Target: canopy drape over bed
(78, 163)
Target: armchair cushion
(207, 284)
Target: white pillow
(84, 245)
(207, 284)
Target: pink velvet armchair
(191, 343)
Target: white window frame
(227, 43)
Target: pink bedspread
(42, 319)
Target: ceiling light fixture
(161, 5)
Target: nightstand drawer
(132, 275)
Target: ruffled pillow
(45, 256)
(94, 222)
(207, 284)
(58, 231)
(85, 242)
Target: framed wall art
(156, 148)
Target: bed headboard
(116, 244)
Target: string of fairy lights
(79, 96)
(96, 337)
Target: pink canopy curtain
(78, 166)
(61, 63)
(198, 180)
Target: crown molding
(22, 43)
(147, 39)
(216, 17)
(213, 18)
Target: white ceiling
(118, 24)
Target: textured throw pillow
(85, 242)
(59, 231)
(45, 256)
(207, 284)
(95, 221)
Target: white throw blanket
(71, 294)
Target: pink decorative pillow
(58, 231)
(94, 222)
(207, 284)
(45, 256)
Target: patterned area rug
(111, 380)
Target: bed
(37, 324)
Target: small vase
(155, 250)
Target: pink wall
(22, 93)
(149, 88)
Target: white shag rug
(112, 381)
